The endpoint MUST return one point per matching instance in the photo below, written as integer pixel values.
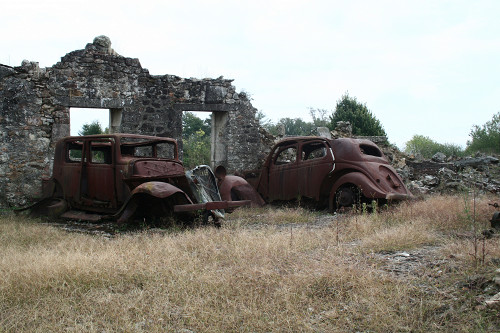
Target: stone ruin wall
(35, 103)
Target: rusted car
(333, 173)
(124, 177)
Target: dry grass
(270, 215)
(252, 275)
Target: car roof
(119, 136)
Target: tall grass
(239, 278)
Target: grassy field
(416, 267)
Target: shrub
(486, 138)
(426, 147)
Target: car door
(283, 174)
(314, 164)
(97, 187)
(69, 175)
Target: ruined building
(35, 104)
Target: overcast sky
(422, 67)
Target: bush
(486, 139)
(426, 147)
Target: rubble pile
(442, 174)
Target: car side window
(100, 152)
(313, 150)
(74, 151)
(286, 156)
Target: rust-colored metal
(123, 177)
(338, 172)
(233, 188)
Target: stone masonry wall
(35, 103)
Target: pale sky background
(422, 67)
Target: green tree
(485, 138)
(293, 127)
(93, 128)
(363, 122)
(191, 124)
(196, 149)
(426, 147)
(296, 126)
(196, 140)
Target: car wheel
(347, 196)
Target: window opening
(74, 151)
(100, 152)
(313, 151)
(370, 150)
(286, 156)
(86, 116)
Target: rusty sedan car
(334, 173)
(124, 177)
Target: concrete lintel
(205, 107)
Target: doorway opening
(196, 138)
(199, 147)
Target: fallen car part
(234, 188)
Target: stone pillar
(218, 139)
(115, 120)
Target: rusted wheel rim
(346, 196)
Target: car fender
(234, 188)
(368, 188)
(154, 189)
(159, 190)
